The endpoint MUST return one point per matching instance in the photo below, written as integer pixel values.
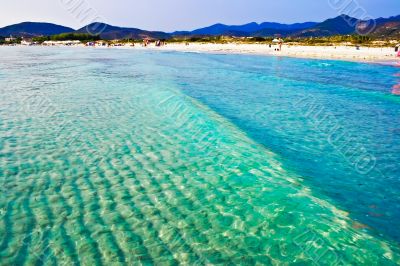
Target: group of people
(279, 42)
(158, 43)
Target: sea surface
(129, 157)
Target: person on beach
(280, 44)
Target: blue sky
(169, 15)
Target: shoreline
(375, 55)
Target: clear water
(121, 157)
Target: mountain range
(341, 25)
(109, 32)
(31, 29)
(247, 29)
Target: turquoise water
(122, 157)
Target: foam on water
(104, 163)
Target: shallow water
(139, 158)
(337, 124)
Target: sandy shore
(348, 53)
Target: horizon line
(200, 27)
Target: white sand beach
(348, 53)
(383, 55)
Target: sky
(171, 15)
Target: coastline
(383, 55)
(375, 55)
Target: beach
(383, 55)
(347, 53)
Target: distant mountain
(287, 27)
(249, 29)
(344, 25)
(270, 29)
(272, 32)
(220, 29)
(109, 32)
(387, 27)
(32, 29)
(341, 25)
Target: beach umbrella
(275, 40)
